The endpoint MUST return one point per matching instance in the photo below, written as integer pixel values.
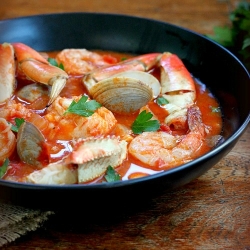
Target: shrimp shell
(7, 140)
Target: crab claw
(94, 155)
(36, 68)
(178, 88)
(54, 173)
(46, 74)
(7, 71)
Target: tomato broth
(58, 147)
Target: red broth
(130, 168)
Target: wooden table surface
(211, 212)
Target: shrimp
(163, 150)
(12, 110)
(72, 126)
(7, 140)
(81, 61)
(7, 71)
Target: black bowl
(220, 70)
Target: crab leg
(178, 89)
(89, 160)
(7, 71)
(174, 75)
(36, 68)
(94, 155)
(140, 63)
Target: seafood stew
(78, 116)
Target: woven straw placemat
(16, 221)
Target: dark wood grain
(211, 212)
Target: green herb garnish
(83, 107)
(215, 109)
(143, 123)
(3, 168)
(161, 101)
(111, 175)
(53, 62)
(18, 123)
(236, 37)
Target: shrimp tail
(194, 119)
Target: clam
(32, 92)
(30, 143)
(125, 92)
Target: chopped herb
(124, 58)
(53, 62)
(215, 109)
(3, 168)
(83, 107)
(161, 101)
(18, 122)
(143, 123)
(112, 175)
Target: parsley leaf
(143, 123)
(18, 122)
(83, 107)
(161, 101)
(236, 37)
(3, 168)
(112, 175)
(53, 62)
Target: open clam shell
(126, 92)
(32, 92)
(30, 144)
